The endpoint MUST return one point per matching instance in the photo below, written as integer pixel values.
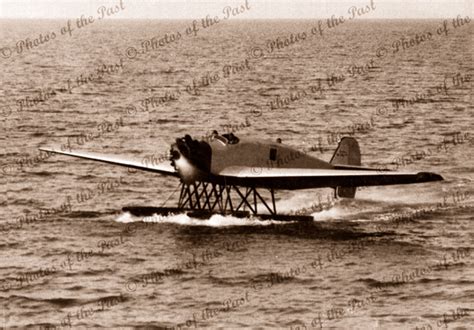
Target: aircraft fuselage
(201, 160)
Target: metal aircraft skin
(228, 160)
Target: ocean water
(395, 257)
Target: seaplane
(225, 174)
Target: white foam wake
(216, 220)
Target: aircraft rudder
(347, 153)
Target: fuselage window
(273, 154)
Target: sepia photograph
(236, 164)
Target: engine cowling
(191, 159)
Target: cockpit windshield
(220, 138)
(231, 138)
(228, 138)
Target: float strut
(197, 197)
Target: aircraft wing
(162, 168)
(305, 178)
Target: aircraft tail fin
(347, 153)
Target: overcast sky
(175, 9)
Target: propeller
(191, 158)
